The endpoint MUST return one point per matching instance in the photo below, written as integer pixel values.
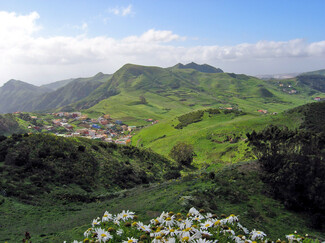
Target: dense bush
(294, 166)
(40, 163)
(189, 118)
(182, 153)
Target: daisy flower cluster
(196, 226)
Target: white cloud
(121, 11)
(42, 60)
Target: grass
(236, 189)
(173, 92)
(209, 136)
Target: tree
(182, 153)
(142, 100)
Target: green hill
(315, 81)
(9, 125)
(74, 91)
(219, 138)
(169, 92)
(318, 72)
(46, 167)
(15, 95)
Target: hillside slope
(41, 167)
(169, 92)
(220, 137)
(74, 91)
(15, 94)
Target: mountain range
(167, 91)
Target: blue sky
(253, 37)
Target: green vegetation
(9, 125)
(316, 82)
(218, 138)
(40, 167)
(294, 167)
(236, 189)
(189, 118)
(182, 153)
(171, 92)
(53, 187)
(205, 68)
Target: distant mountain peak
(16, 83)
(204, 68)
(98, 75)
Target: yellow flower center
(186, 238)
(172, 230)
(125, 215)
(158, 237)
(188, 229)
(130, 241)
(105, 215)
(103, 235)
(168, 219)
(207, 225)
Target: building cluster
(102, 128)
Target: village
(76, 124)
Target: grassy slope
(236, 189)
(208, 136)
(171, 92)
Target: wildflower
(205, 233)
(290, 237)
(107, 217)
(170, 231)
(193, 211)
(187, 223)
(209, 215)
(198, 217)
(145, 228)
(169, 221)
(119, 232)
(232, 218)
(257, 234)
(130, 240)
(171, 240)
(103, 235)
(95, 223)
(204, 241)
(125, 215)
(88, 232)
(116, 221)
(207, 224)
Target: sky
(43, 41)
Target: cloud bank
(41, 60)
